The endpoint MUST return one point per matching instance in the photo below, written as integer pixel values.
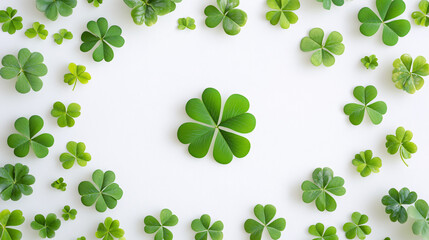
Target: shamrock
(28, 67)
(15, 181)
(77, 73)
(69, 213)
(319, 232)
(366, 164)
(408, 75)
(152, 225)
(392, 29)
(370, 62)
(37, 30)
(105, 194)
(63, 34)
(357, 227)
(46, 226)
(65, 116)
(375, 110)
(96, 3)
(234, 117)
(59, 184)
(28, 129)
(396, 201)
(323, 53)
(324, 183)
(101, 32)
(420, 213)
(51, 8)
(109, 230)
(10, 219)
(232, 19)
(422, 18)
(402, 143)
(283, 12)
(10, 23)
(76, 153)
(327, 3)
(147, 11)
(186, 23)
(265, 214)
(203, 228)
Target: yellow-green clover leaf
(15, 182)
(66, 116)
(402, 143)
(69, 213)
(152, 225)
(204, 229)
(328, 3)
(283, 12)
(46, 226)
(395, 203)
(77, 73)
(265, 215)
(408, 75)
(356, 228)
(232, 19)
(319, 232)
(63, 34)
(147, 11)
(81, 238)
(59, 184)
(76, 154)
(370, 62)
(187, 22)
(52, 8)
(109, 230)
(366, 163)
(96, 3)
(10, 219)
(10, 23)
(422, 18)
(420, 213)
(37, 30)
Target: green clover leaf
(319, 232)
(407, 75)
(65, 116)
(265, 214)
(59, 184)
(77, 73)
(323, 183)
(147, 11)
(323, 52)
(10, 23)
(15, 182)
(82, 238)
(28, 128)
(69, 213)
(232, 19)
(357, 227)
(402, 143)
(420, 213)
(422, 18)
(365, 95)
(370, 62)
(76, 154)
(207, 111)
(28, 67)
(101, 32)
(328, 3)
(96, 3)
(392, 29)
(203, 228)
(187, 22)
(51, 8)
(105, 193)
(366, 163)
(10, 219)
(167, 219)
(283, 12)
(37, 30)
(109, 230)
(63, 34)
(46, 226)
(395, 203)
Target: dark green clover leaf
(323, 52)
(422, 18)
(10, 23)
(109, 230)
(28, 128)
(147, 11)
(69, 213)
(101, 32)
(28, 67)
(357, 227)
(96, 3)
(365, 95)
(105, 193)
(65, 116)
(408, 75)
(366, 163)
(420, 213)
(319, 232)
(77, 73)
(37, 30)
(370, 62)
(283, 12)
(76, 154)
(203, 228)
(187, 22)
(10, 219)
(63, 34)
(207, 111)
(152, 225)
(59, 184)
(328, 3)
(323, 183)
(402, 143)
(15, 182)
(46, 226)
(51, 8)
(265, 214)
(396, 201)
(232, 19)
(392, 29)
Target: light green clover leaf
(420, 213)
(66, 116)
(81, 238)
(69, 213)
(319, 232)
(370, 62)
(232, 19)
(77, 73)
(96, 3)
(76, 154)
(37, 30)
(422, 18)
(46, 226)
(52, 8)
(152, 225)
(328, 3)
(283, 12)
(366, 163)
(402, 143)
(63, 34)
(147, 11)
(10, 23)
(10, 219)
(59, 184)
(187, 22)
(265, 214)
(395, 203)
(15, 182)
(109, 230)
(408, 75)
(357, 227)
(203, 228)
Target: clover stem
(74, 86)
(402, 157)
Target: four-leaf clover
(420, 213)
(59, 184)
(147, 11)
(407, 74)
(395, 203)
(66, 116)
(328, 3)
(402, 143)
(283, 12)
(63, 34)
(51, 8)
(37, 30)
(319, 232)
(357, 227)
(187, 22)
(109, 230)
(366, 163)
(422, 18)
(15, 182)
(370, 62)
(152, 225)
(265, 214)
(232, 19)
(46, 226)
(69, 213)
(203, 228)
(10, 23)
(77, 73)
(76, 154)
(10, 219)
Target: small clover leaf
(167, 219)
(15, 182)
(187, 22)
(66, 116)
(395, 203)
(407, 75)
(76, 154)
(46, 226)
(283, 12)
(328, 3)
(10, 219)
(323, 52)
(420, 213)
(370, 62)
(69, 213)
(59, 184)
(37, 30)
(105, 193)
(81, 238)
(147, 11)
(366, 163)
(265, 214)
(365, 95)
(77, 73)
(319, 232)
(28, 67)
(203, 228)
(10, 23)
(323, 183)
(109, 230)
(52, 8)
(232, 19)
(422, 18)
(28, 128)
(63, 34)
(402, 143)
(96, 3)
(357, 227)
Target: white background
(133, 106)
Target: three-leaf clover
(46, 226)
(28, 128)
(109, 230)
(203, 228)
(69, 213)
(52, 8)
(187, 22)
(147, 11)
(396, 201)
(37, 30)
(105, 193)
(323, 183)
(407, 74)
(76, 154)
(15, 182)
(152, 225)
(356, 111)
(232, 19)
(319, 232)
(10, 23)
(420, 213)
(370, 62)
(402, 143)
(357, 227)
(207, 111)
(10, 219)
(59, 184)
(66, 116)
(96, 3)
(366, 163)
(422, 18)
(283, 12)
(28, 67)
(392, 29)
(328, 3)
(265, 214)
(323, 52)
(77, 73)
(101, 32)
(63, 34)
